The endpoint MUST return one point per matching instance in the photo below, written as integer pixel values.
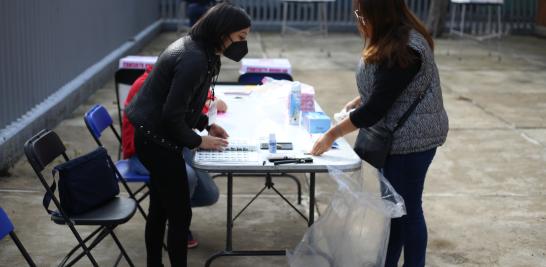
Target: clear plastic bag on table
(354, 229)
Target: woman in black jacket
(165, 113)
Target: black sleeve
(178, 103)
(389, 83)
(202, 122)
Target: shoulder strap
(406, 115)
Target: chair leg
(121, 247)
(133, 196)
(138, 200)
(102, 233)
(86, 250)
(22, 249)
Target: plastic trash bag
(354, 229)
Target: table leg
(499, 21)
(311, 199)
(229, 220)
(325, 18)
(463, 13)
(228, 252)
(452, 24)
(284, 17)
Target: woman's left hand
(217, 131)
(323, 144)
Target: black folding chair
(6, 228)
(41, 150)
(124, 79)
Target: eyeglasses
(360, 18)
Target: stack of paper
(267, 65)
(136, 62)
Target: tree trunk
(437, 14)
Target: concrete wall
(54, 54)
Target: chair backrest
(97, 119)
(6, 226)
(124, 78)
(43, 148)
(256, 77)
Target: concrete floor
(485, 197)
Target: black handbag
(85, 183)
(373, 144)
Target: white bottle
(272, 143)
(294, 113)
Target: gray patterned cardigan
(427, 126)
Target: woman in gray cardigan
(398, 65)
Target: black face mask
(236, 51)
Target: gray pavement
(484, 200)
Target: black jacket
(168, 106)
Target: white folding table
(489, 3)
(322, 15)
(252, 117)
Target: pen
(297, 161)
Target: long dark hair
(218, 23)
(388, 24)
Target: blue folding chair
(97, 119)
(6, 228)
(255, 78)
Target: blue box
(316, 122)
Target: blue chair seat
(6, 226)
(131, 177)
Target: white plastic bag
(354, 229)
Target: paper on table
(247, 90)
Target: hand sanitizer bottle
(272, 143)
(294, 114)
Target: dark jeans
(407, 174)
(169, 201)
(203, 190)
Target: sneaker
(192, 242)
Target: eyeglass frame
(358, 17)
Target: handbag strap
(406, 115)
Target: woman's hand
(323, 144)
(355, 103)
(217, 131)
(213, 143)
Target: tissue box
(136, 62)
(307, 98)
(316, 122)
